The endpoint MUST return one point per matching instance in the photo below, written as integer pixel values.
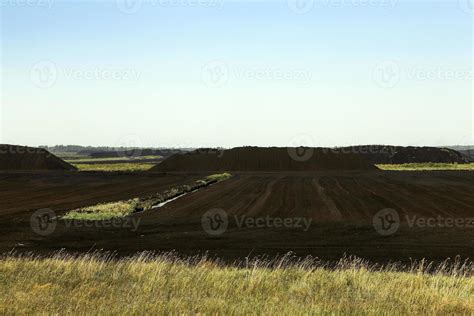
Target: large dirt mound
(264, 159)
(381, 154)
(468, 154)
(14, 157)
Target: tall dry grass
(164, 283)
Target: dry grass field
(165, 284)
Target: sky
(209, 73)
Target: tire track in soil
(330, 206)
(260, 201)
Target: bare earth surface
(339, 206)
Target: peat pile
(264, 159)
(468, 154)
(381, 154)
(14, 157)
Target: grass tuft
(426, 166)
(114, 167)
(103, 211)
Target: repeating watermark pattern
(44, 222)
(27, 3)
(273, 222)
(216, 151)
(439, 222)
(216, 221)
(44, 74)
(387, 222)
(218, 73)
(467, 6)
(134, 6)
(131, 223)
(305, 6)
(20, 150)
(300, 6)
(388, 73)
(215, 74)
(301, 147)
(129, 6)
(360, 3)
(364, 149)
(129, 146)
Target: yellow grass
(104, 210)
(109, 167)
(427, 166)
(163, 285)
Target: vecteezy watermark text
(218, 73)
(305, 6)
(388, 73)
(27, 3)
(216, 221)
(44, 74)
(134, 6)
(273, 222)
(45, 221)
(387, 222)
(439, 221)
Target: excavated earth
(17, 158)
(381, 154)
(265, 159)
(339, 205)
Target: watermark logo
(301, 147)
(43, 222)
(300, 6)
(215, 74)
(129, 6)
(215, 222)
(215, 151)
(44, 74)
(128, 146)
(386, 222)
(467, 6)
(386, 74)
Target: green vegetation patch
(124, 208)
(103, 211)
(112, 159)
(218, 177)
(426, 166)
(113, 167)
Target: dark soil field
(339, 207)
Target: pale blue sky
(190, 73)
